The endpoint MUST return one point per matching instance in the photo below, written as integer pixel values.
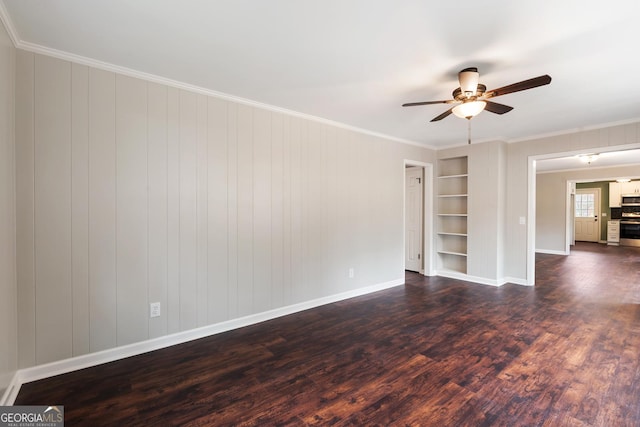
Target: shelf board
(453, 214)
(452, 253)
(453, 195)
(464, 175)
(444, 233)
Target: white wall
(8, 317)
(517, 180)
(130, 192)
(551, 200)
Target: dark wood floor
(433, 352)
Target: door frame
(531, 200)
(428, 267)
(598, 212)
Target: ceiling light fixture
(468, 110)
(588, 158)
(623, 180)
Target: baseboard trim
(517, 281)
(12, 390)
(551, 252)
(47, 370)
(469, 278)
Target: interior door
(414, 182)
(587, 222)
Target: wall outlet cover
(154, 309)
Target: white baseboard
(516, 281)
(551, 252)
(11, 392)
(469, 278)
(39, 372)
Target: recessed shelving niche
(451, 220)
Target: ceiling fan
(472, 97)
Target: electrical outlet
(351, 273)
(154, 309)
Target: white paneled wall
(8, 291)
(131, 192)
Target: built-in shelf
(463, 175)
(452, 253)
(452, 215)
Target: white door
(587, 222)
(414, 181)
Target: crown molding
(94, 63)
(8, 25)
(574, 130)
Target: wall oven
(630, 220)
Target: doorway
(414, 218)
(418, 217)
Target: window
(585, 205)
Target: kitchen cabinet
(613, 232)
(618, 189)
(615, 193)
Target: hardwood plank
(436, 351)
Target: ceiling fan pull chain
(469, 131)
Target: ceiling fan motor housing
(468, 79)
(458, 95)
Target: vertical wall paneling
(277, 207)
(173, 211)
(130, 192)
(232, 209)
(80, 207)
(323, 201)
(314, 210)
(245, 210)
(102, 210)
(332, 210)
(131, 213)
(261, 211)
(53, 209)
(157, 205)
(188, 210)
(202, 188)
(296, 209)
(25, 209)
(218, 209)
(286, 210)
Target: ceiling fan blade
(413, 104)
(443, 115)
(494, 107)
(517, 87)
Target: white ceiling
(357, 61)
(607, 159)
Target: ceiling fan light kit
(469, 110)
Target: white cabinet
(613, 232)
(452, 215)
(618, 189)
(615, 192)
(631, 187)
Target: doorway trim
(427, 209)
(531, 197)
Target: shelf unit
(451, 228)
